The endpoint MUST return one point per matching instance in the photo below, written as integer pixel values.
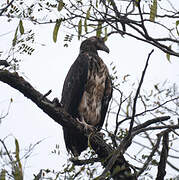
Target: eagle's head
(93, 44)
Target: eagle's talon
(86, 126)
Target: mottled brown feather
(86, 92)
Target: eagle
(86, 92)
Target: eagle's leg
(86, 125)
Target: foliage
(14, 160)
(83, 18)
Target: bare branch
(171, 127)
(155, 147)
(4, 9)
(172, 166)
(137, 94)
(149, 122)
(7, 152)
(163, 157)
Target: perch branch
(58, 114)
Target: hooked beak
(103, 47)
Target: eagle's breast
(90, 105)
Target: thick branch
(58, 114)
(163, 157)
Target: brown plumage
(86, 92)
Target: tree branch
(4, 63)
(2, 10)
(85, 161)
(58, 114)
(155, 147)
(163, 157)
(151, 121)
(137, 93)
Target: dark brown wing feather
(74, 85)
(71, 97)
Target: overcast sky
(46, 69)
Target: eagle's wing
(74, 85)
(105, 101)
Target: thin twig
(137, 94)
(2, 10)
(155, 147)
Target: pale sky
(46, 69)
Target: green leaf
(21, 27)
(85, 25)
(3, 174)
(168, 55)
(79, 28)
(177, 31)
(17, 174)
(105, 34)
(96, 3)
(56, 28)
(86, 18)
(18, 169)
(177, 23)
(154, 162)
(60, 5)
(15, 37)
(17, 148)
(99, 29)
(88, 13)
(153, 10)
(136, 2)
(17, 154)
